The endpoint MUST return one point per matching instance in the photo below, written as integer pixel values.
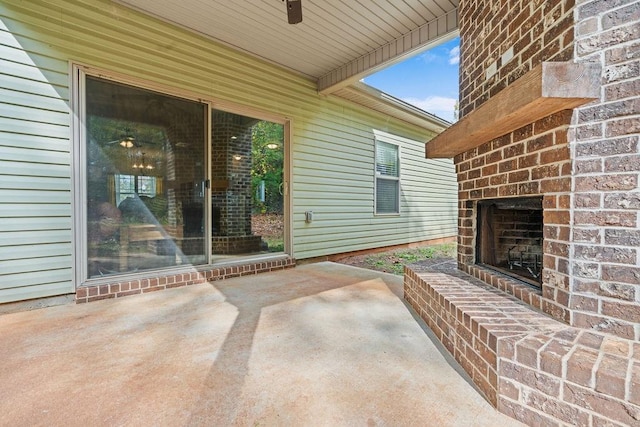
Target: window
(129, 186)
(387, 178)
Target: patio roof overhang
(337, 43)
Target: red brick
(527, 351)
(513, 151)
(610, 147)
(600, 323)
(530, 377)
(555, 155)
(127, 293)
(508, 165)
(519, 176)
(584, 303)
(556, 409)
(588, 200)
(611, 376)
(605, 218)
(553, 121)
(624, 274)
(508, 389)
(556, 217)
(606, 183)
(100, 297)
(546, 171)
(634, 385)
(539, 143)
(552, 355)
(616, 290)
(607, 407)
(521, 413)
(557, 185)
(629, 312)
(580, 366)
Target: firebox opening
(509, 237)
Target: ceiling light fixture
(142, 164)
(127, 142)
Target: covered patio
(322, 344)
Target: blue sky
(428, 80)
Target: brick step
(528, 365)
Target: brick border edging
(470, 318)
(157, 282)
(524, 293)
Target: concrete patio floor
(321, 344)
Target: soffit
(338, 41)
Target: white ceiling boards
(338, 41)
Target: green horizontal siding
(332, 146)
(35, 170)
(337, 184)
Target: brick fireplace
(532, 162)
(547, 180)
(508, 237)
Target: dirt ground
(427, 257)
(269, 225)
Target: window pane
(387, 191)
(387, 159)
(145, 172)
(247, 202)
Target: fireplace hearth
(509, 237)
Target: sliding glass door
(160, 191)
(145, 176)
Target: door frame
(78, 168)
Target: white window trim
(379, 137)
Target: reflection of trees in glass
(267, 166)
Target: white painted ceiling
(337, 43)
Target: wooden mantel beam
(548, 88)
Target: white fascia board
(422, 38)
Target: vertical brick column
(605, 287)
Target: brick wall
(502, 40)
(532, 161)
(605, 284)
(231, 141)
(585, 163)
